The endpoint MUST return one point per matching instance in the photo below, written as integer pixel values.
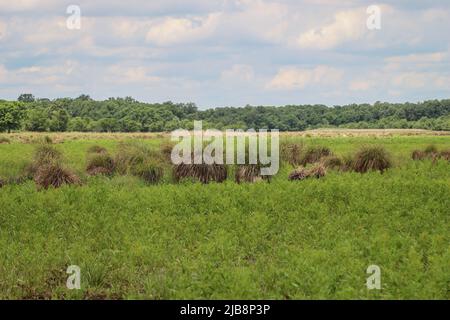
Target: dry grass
(418, 155)
(249, 173)
(149, 172)
(332, 162)
(314, 154)
(4, 140)
(132, 154)
(100, 164)
(54, 175)
(372, 159)
(317, 171)
(445, 155)
(166, 151)
(291, 153)
(204, 173)
(28, 137)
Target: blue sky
(227, 52)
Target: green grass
(278, 240)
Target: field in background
(278, 240)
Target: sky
(219, 53)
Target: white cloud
(183, 30)
(296, 78)
(347, 26)
(118, 74)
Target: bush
(372, 159)
(318, 171)
(100, 164)
(54, 175)
(431, 149)
(44, 154)
(150, 172)
(166, 151)
(204, 173)
(315, 154)
(347, 163)
(249, 173)
(332, 162)
(132, 154)
(418, 155)
(445, 155)
(291, 153)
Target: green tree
(26, 97)
(10, 116)
(36, 120)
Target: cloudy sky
(227, 52)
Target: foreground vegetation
(285, 239)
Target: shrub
(315, 154)
(332, 162)
(291, 153)
(249, 173)
(166, 151)
(445, 155)
(347, 163)
(204, 173)
(2, 183)
(4, 140)
(44, 154)
(418, 155)
(100, 164)
(431, 149)
(150, 172)
(97, 149)
(54, 175)
(318, 171)
(372, 159)
(131, 154)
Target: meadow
(310, 239)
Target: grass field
(279, 240)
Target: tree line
(84, 114)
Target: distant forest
(84, 114)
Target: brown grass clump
(347, 163)
(317, 171)
(4, 140)
(315, 154)
(100, 164)
(291, 153)
(166, 151)
(204, 173)
(372, 159)
(132, 154)
(97, 149)
(150, 172)
(418, 155)
(54, 175)
(431, 149)
(44, 154)
(249, 173)
(332, 162)
(445, 155)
